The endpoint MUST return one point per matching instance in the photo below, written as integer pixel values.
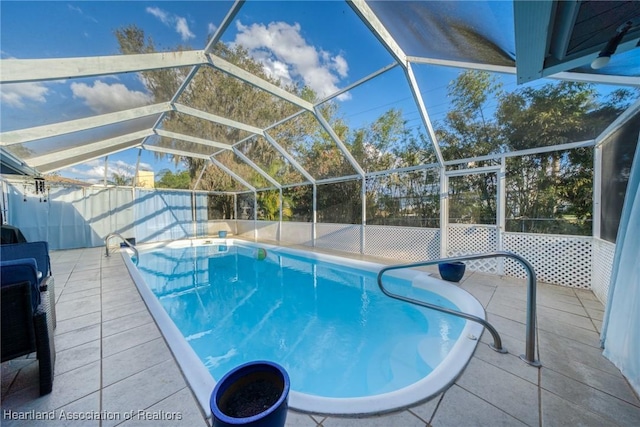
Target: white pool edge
(202, 383)
(197, 375)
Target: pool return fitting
(529, 356)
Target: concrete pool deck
(113, 363)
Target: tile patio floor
(112, 359)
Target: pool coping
(202, 382)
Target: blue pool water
(329, 325)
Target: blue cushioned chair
(22, 270)
(39, 251)
(28, 311)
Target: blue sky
(320, 43)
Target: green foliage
(407, 199)
(468, 128)
(220, 206)
(548, 192)
(299, 200)
(550, 115)
(483, 120)
(269, 206)
(168, 179)
(120, 179)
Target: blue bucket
(222, 234)
(243, 381)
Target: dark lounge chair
(40, 252)
(28, 312)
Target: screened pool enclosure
(413, 131)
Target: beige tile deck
(112, 361)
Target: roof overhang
(556, 36)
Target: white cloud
(106, 98)
(183, 29)
(160, 14)
(93, 171)
(286, 55)
(211, 28)
(15, 95)
(340, 65)
(74, 8)
(176, 22)
(81, 12)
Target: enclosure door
(472, 216)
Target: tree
(214, 92)
(470, 130)
(269, 202)
(545, 186)
(120, 179)
(168, 179)
(553, 186)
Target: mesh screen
(404, 199)
(617, 156)
(550, 192)
(246, 208)
(340, 202)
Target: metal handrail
(529, 356)
(110, 235)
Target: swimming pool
(348, 348)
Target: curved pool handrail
(110, 235)
(529, 356)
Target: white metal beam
(106, 169)
(333, 180)
(204, 167)
(47, 131)
(137, 171)
(183, 86)
(564, 75)
(345, 151)
(188, 138)
(180, 108)
(235, 8)
(406, 169)
(461, 64)
(358, 83)
(87, 157)
(618, 122)
(233, 175)
(501, 211)
(444, 213)
(247, 77)
(426, 121)
(473, 171)
(597, 192)
(33, 70)
(286, 119)
(496, 156)
(257, 168)
(370, 19)
(597, 78)
(174, 152)
(94, 146)
(289, 158)
(527, 152)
